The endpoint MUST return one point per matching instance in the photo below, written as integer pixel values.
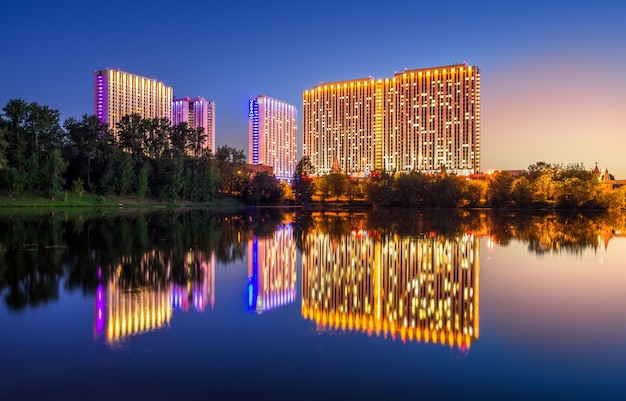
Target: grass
(86, 200)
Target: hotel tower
(118, 93)
(197, 112)
(273, 131)
(419, 120)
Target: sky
(553, 82)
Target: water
(478, 306)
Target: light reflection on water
(540, 295)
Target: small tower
(606, 177)
(334, 169)
(596, 171)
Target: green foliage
(499, 189)
(302, 184)
(522, 193)
(265, 190)
(472, 193)
(31, 135)
(124, 174)
(142, 181)
(410, 189)
(52, 174)
(3, 147)
(78, 187)
(337, 184)
(379, 190)
(233, 170)
(83, 136)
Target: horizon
(551, 84)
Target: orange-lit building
(118, 93)
(418, 120)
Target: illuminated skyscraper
(197, 112)
(118, 93)
(419, 120)
(273, 131)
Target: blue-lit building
(273, 133)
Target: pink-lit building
(197, 112)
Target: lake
(288, 305)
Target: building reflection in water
(416, 288)
(200, 287)
(271, 270)
(122, 310)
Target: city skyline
(552, 87)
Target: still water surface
(385, 305)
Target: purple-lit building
(273, 132)
(197, 112)
(118, 93)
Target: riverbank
(10, 202)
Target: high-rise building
(273, 131)
(197, 112)
(118, 93)
(419, 120)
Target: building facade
(272, 133)
(419, 120)
(118, 93)
(198, 113)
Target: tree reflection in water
(145, 249)
(150, 249)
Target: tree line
(142, 157)
(542, 186)
(150, 157)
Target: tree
(410, 189)
(158, 132)
(543, 175)
(3, 146)
(379, 189)
(54, 166)
(302, 185)
(575, 187)
(265, 190)
(197, 141)
(446, 191)
(84, 135)
(31, 134)
(499, 189)
(337, 184)
(233, 169)
(131, 131)
(210, 174)
(14, 121)
(180, 137)
(522, 193)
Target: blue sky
(553, 77)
